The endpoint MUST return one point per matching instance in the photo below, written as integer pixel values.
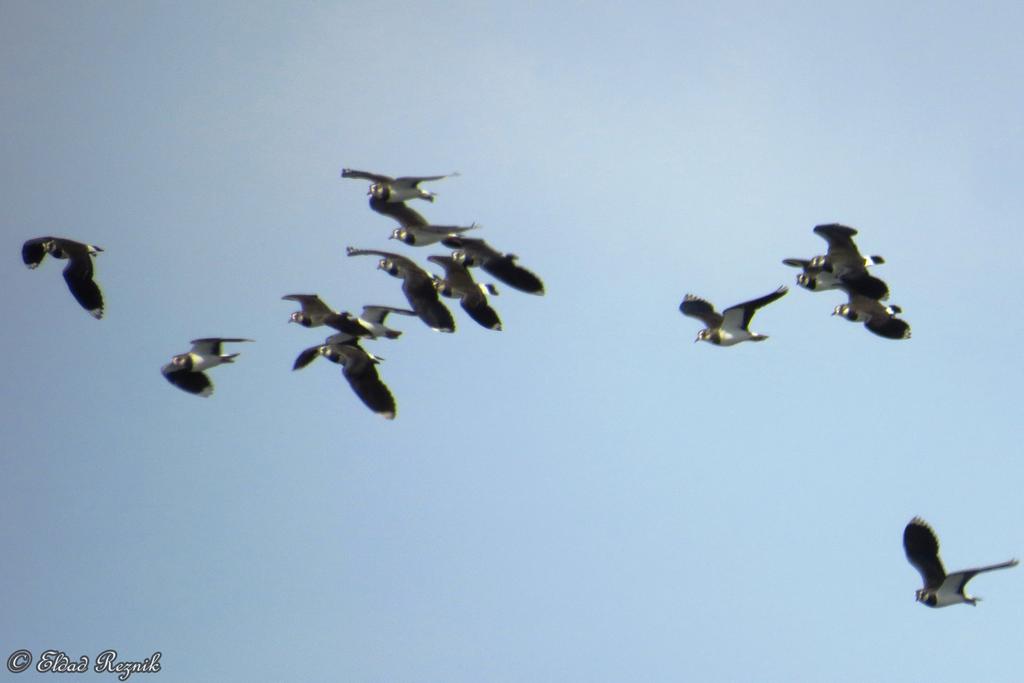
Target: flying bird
(314, 310)
(395, 190)
(843, 257)
(185, 370)
(731, 326)
(78, 271)
(842, 267)
(817, 279)
(316, 313)
(940, 589)
(472, 252)
(876, 316)
(417, 286)
(358, 368)
(422, 235)
(458, 283)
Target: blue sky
(586, 495)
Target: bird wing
(862, 283)
(695, 307)
(398, 211)
(475, 304)
(377, 314)
(411, 181)
(422, 297)
(442, 230)
(305, 357)
(740, 315)
(193, 382)
(889, 327)
(514, 275)
(474, 246)
(78, 276)
(797, 262)
(361, 373)
(959, 579)
(211, 345)
(922, 549)
(311, 304)
(838, 236)
(365, 175)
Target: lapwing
(472, 252)
(875, 315)
(422, 235)
(78, 271)
(457, 283)
(731, 326)
(417, 286)
(370, 324)
(314, 310)
(842, 267)
(843, 257)
(185, 370)
(940, 589)
(817, 280)
(358, 368)
(393, 190)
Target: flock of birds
(842, 268)
(422, 290)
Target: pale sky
(586, 495)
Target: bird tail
(392, 334)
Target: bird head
(845, 311)
(925, 596)
(403, 235)
(388, 266)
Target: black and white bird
(417, 286)
(458, 283)
(875, 315)
(78, 271)
(940, 589)
(394, 190)
(314, 311)
(422, 235)
(842, 267)
(472, 252)
(817, 280)
(843, 257)
(731, 326)
(358, 368)
(185, 370)
(370, 323)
